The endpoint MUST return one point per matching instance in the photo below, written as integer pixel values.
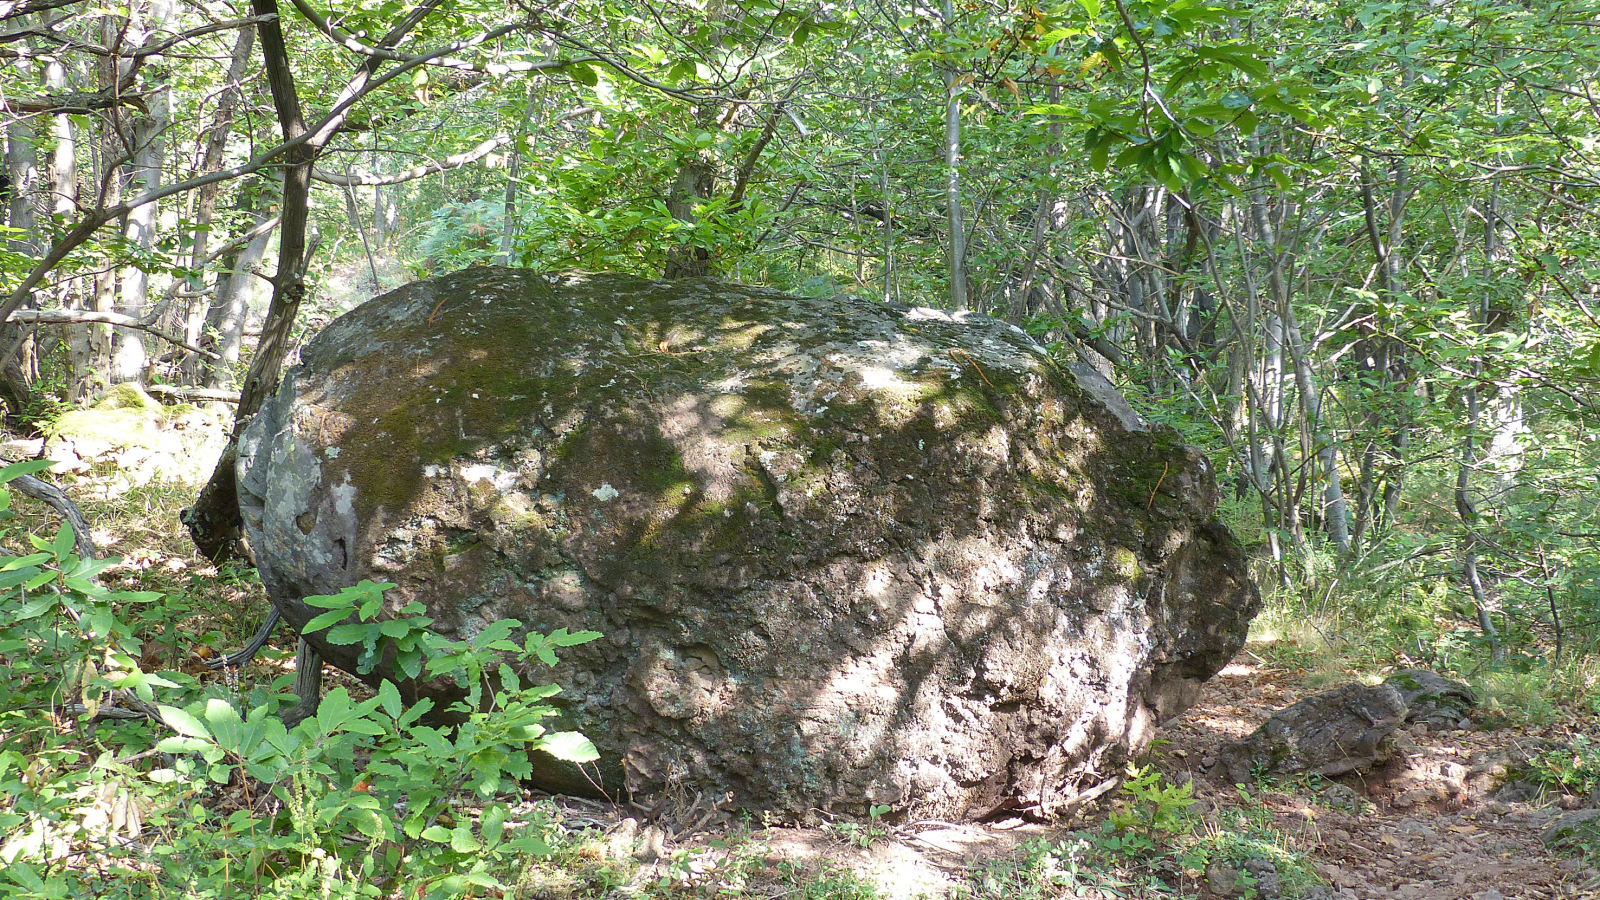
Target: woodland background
(1348, 248)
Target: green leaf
(23, 562)
(183, 723)
(584, 74)
(395, 628)
(37, 607)
(353, 633)
(561, 638)
(436, 833)
(492, 823)
(389, 698)
(461, 839)
(63, 542)
(326, 620)
(410, 662)
(226, 726)
(182, 745)
(508, 679)
(568, 745)
(530, 844)
(334, 710)
(26, 467)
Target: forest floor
(1449, 819)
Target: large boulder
(842, 553)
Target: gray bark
(952, 177)
(63, 156)
(216, 141)
(149, 158)
(231, 307)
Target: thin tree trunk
(149, 158)
(206, 203)
(696, 179)
(63, 158)
(230, 308)
(952, 176)
(213, 521)
(508, 215)
(22, 168)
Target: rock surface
(1348, 729)
(142, 438)
(1431, 698)
(842, 553)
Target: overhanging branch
(357, 179)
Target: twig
(1165, 467)
(958, 354)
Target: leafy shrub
(1574, 769)
(201, 797)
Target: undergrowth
(120, 779)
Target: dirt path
(1446, 822)
(1443, 823)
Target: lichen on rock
(843, 553)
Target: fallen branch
(192, 393)
(57, 499)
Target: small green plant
(1244, 836)
(1574, 769)
(829, 884)
(1155, 811)
(865, 834)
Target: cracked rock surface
(842, 553)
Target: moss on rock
(843, 553)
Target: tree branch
(450, 162)
(87, 316)
(11, 9)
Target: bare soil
(1448, 821)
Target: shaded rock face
(1431, 698)
(842, 553)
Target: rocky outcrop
(1433, 699)
(1344, 730)
(1347, 729)
(842, 553)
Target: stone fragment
(1433, 699)
(1347, 729)
(1568, 829)
(1222, 879)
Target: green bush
(1573, 769)
(203, 797)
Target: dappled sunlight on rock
(842, 555)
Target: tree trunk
(952, 176)
(696, 179)
(63, 157)
(26, 184)
(216, 138)
(508, 216)
(149, 158)
(213, 521)
(230, 309)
